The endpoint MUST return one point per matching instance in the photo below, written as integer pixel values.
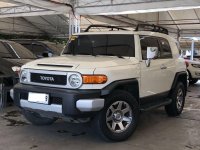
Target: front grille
(48, 78)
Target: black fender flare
(114, 85)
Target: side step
(154, 105)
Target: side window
(148, 42)
(165, 49)
(4, 52)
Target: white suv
(107, 78)
(193, 69)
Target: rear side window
(4, 52)
(148, 42)
(165, 49)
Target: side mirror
(152, 52)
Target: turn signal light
(94, 79)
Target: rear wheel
(37, 119)
(119, 118)
(175, 108)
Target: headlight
(196, 65)
(24, 76)
(75, 80)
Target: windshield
(53, 47)
(21, 51)
(110, 45)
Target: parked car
(41, 48)
(12, 57)
(193, 69)
(107, 78)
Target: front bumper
(71, 103)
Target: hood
(19, 62)
(80, 62)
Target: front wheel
(37, 119)
(119, 118)
(175, 108)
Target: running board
(155, 105)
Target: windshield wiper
(113, 55)
(7, 57)
(86, 54)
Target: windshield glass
(21, 51)
(102, 44)
(53, 47)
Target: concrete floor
(156, 131)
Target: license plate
(41, 98)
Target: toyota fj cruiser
(107, 78)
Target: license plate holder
(41, 98)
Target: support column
(74, 23)
(192, 50)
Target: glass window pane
(166, 50)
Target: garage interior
(56, 21)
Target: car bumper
(65, 102)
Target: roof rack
(103, 26)
(151, 27)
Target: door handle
(163, 67)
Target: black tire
(37, 119)
(3, 100)
(175, 108)
(128, 102)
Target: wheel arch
(130, 85)
(180, 77)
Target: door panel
(158, 77)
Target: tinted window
(4, 51)
(148, 42)
(166, 50)
(110, 45)
(38, 49)
(21, 51)
(53, 48)
(28, 46)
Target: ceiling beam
(26, 14)
(116, 8)
(48, 5)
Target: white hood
(71, 62)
